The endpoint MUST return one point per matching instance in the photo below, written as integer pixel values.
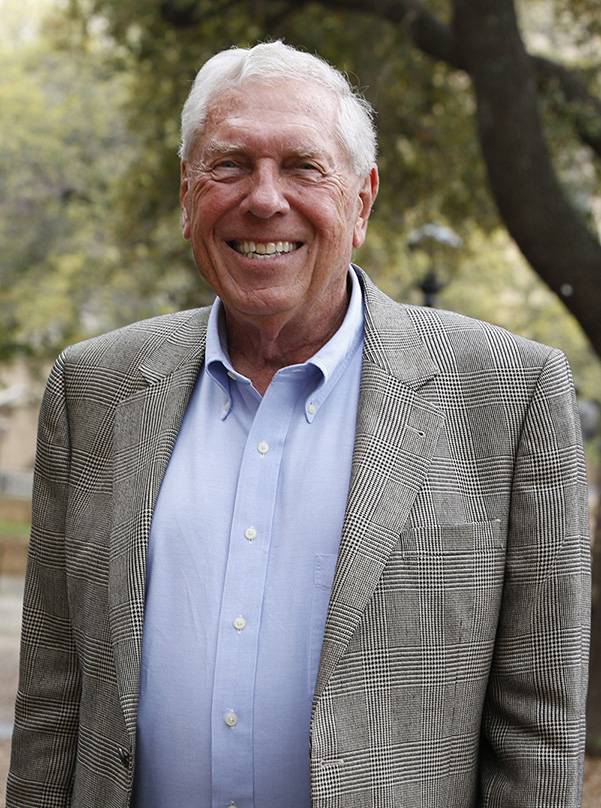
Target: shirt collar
(330, 360)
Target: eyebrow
(308, 154)
(218, 148)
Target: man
(310, 547)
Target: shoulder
(110, 367)
(123, 349)
(455, 342)
(494, 375)
(468, 342)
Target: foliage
(89, 218)
(60, 144)
(428, 155)
(69, 265)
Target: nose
(265, 197)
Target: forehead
(287, 114)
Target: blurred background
(489, 118)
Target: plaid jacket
(453, 668)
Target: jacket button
(124, 755)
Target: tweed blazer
(453, 666)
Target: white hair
(272, 62)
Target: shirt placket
(243, 593)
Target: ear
(184, 189)
(367, 196)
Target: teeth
(264, 248)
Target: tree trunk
(549, 231)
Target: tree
(481, 41)
(55, 154)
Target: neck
(259, 347)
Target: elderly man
(310, 546)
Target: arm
(532, 741)
(46, 715)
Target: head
(278, 180)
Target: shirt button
(230, 718)
(226, 405)
(312, 409)
(250, 533)
(239, 623)
(263, 447)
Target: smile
(264, 249)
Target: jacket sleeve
(532, 744)
(46, 715)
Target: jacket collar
(404, 358)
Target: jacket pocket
(470, 537)
(442, 588)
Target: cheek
(210, 202)
(330, 216)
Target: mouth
(264, 249)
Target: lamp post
(434, 240)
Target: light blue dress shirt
(241, 557)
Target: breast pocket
(442, 586)
(324, 567)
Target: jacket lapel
(145, 429)
(397, 431)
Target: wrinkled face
(270, 203)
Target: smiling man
(308, 547)
(273, 208)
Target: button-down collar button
(239, 623)
(227, 404)
(230, 718)
(312, 408)
(263, 447)
(124, 755)
(250, 533)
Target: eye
(228, 168)
(307, 169)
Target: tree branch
(436, 40)
(189, 13)
(584, 108)
(429, 35)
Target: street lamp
(434, 240)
